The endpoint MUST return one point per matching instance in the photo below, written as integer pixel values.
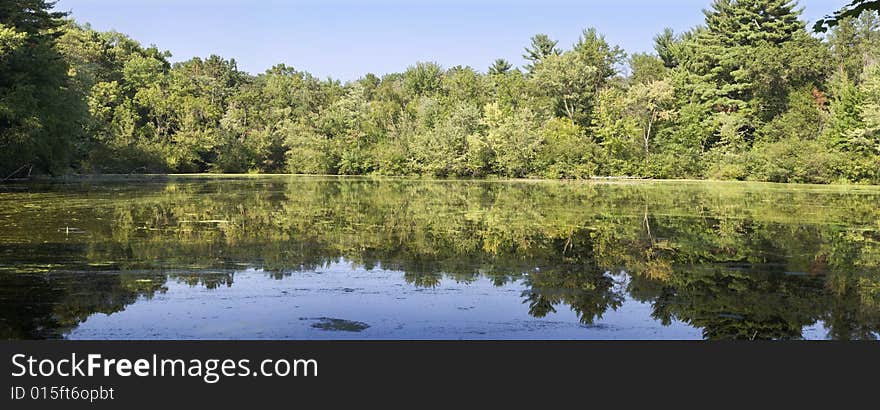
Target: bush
(794, 160)
(566, 152)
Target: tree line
(751, 94)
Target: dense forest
(751, 94)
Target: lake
(289, 257)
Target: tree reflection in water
(738, 261)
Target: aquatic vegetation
(737, 260)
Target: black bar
(417, 374)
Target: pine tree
(500, 66)
(734, 29)
(38, 111)
(665, 45)
(753, 22)
(845, 112)
(542, 47)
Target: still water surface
(281, 257)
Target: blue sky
(345, 39)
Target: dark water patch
(337, 325)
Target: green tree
(618, 133)
(855, 44)
(423, 79)
(667, 45)
(854, 9)
(513, 140)
(39, 111)
(646, 68)
(566, 151)
(717, 54)
(540, 48)
(650, 104)
(10, 40)
(866, 137)
(500, 66)
(571, 81)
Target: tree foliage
(852, 10)
(750, 94)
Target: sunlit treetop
(749, 22)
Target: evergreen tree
(740, 64)
(39, 113)
(666, 44)
(500, 66)
(752, 22)
(540, 48)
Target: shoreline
(489, 179)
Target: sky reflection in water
(337, 258)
